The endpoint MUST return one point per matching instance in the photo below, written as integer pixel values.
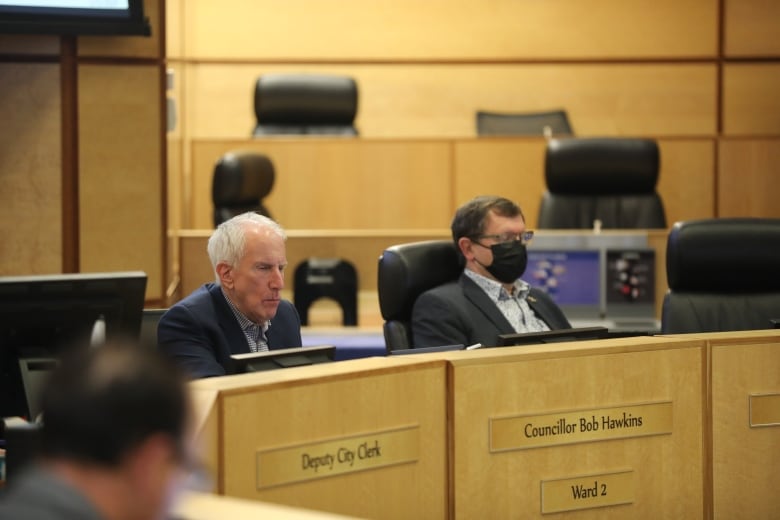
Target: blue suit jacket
(200, 332)
(460, 313)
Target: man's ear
(225, 273)
(465, 245)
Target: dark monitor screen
(552, 336)
(42, 316)
(572, 278)
(282, 358)
(73, 17)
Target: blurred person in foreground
(116, 440)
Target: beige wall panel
(751, 105)
(448, 29)
(121, 222)
(30, 169)
(130, 46)
(668, 470)
(686, 182)
(315, 404)
(29, 44)
(752, 27)
(403, 100)
(748, 180)
(745, 468)
(509, 168)
(174, 28)
(338, 183)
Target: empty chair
(241, 181)
(333, 278)
(553, 122)
(296, 104)
(723, 274)
(609, 180)
(405, 272)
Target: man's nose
(277, 279)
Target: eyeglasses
(524, 237)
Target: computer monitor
(282, 358)
(42, 316)
(552, 336)
(571, 277)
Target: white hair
(227, 243)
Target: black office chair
(295, 104)
(240, 183)
(405, 272)
(550, 123)
(610, 180)
(333, 278)
(723, 274)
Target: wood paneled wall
(82, 154)
(425, 68)
(30, 157)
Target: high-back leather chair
(241, 181)
(296, 104)
(406, 271)
(723, 274)
(612, 180)
(546, 123)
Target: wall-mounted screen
(73, 17)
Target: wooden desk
(706, 445)
(609, 429)
(365, 437)
(205, 506)
(744, 429)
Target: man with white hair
(243, 310)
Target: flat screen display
(282, 358)
(572, 278)
(43, 316)
(552, 336)
(74, 17)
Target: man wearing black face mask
(489, 298)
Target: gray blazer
(461, 313)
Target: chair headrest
(408, 270)
(601, 166)
(725, 255)
(241, 178)
(305, 99)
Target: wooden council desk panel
(608, 428)
(365, 438)
(746, 424)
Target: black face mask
(509, 261)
